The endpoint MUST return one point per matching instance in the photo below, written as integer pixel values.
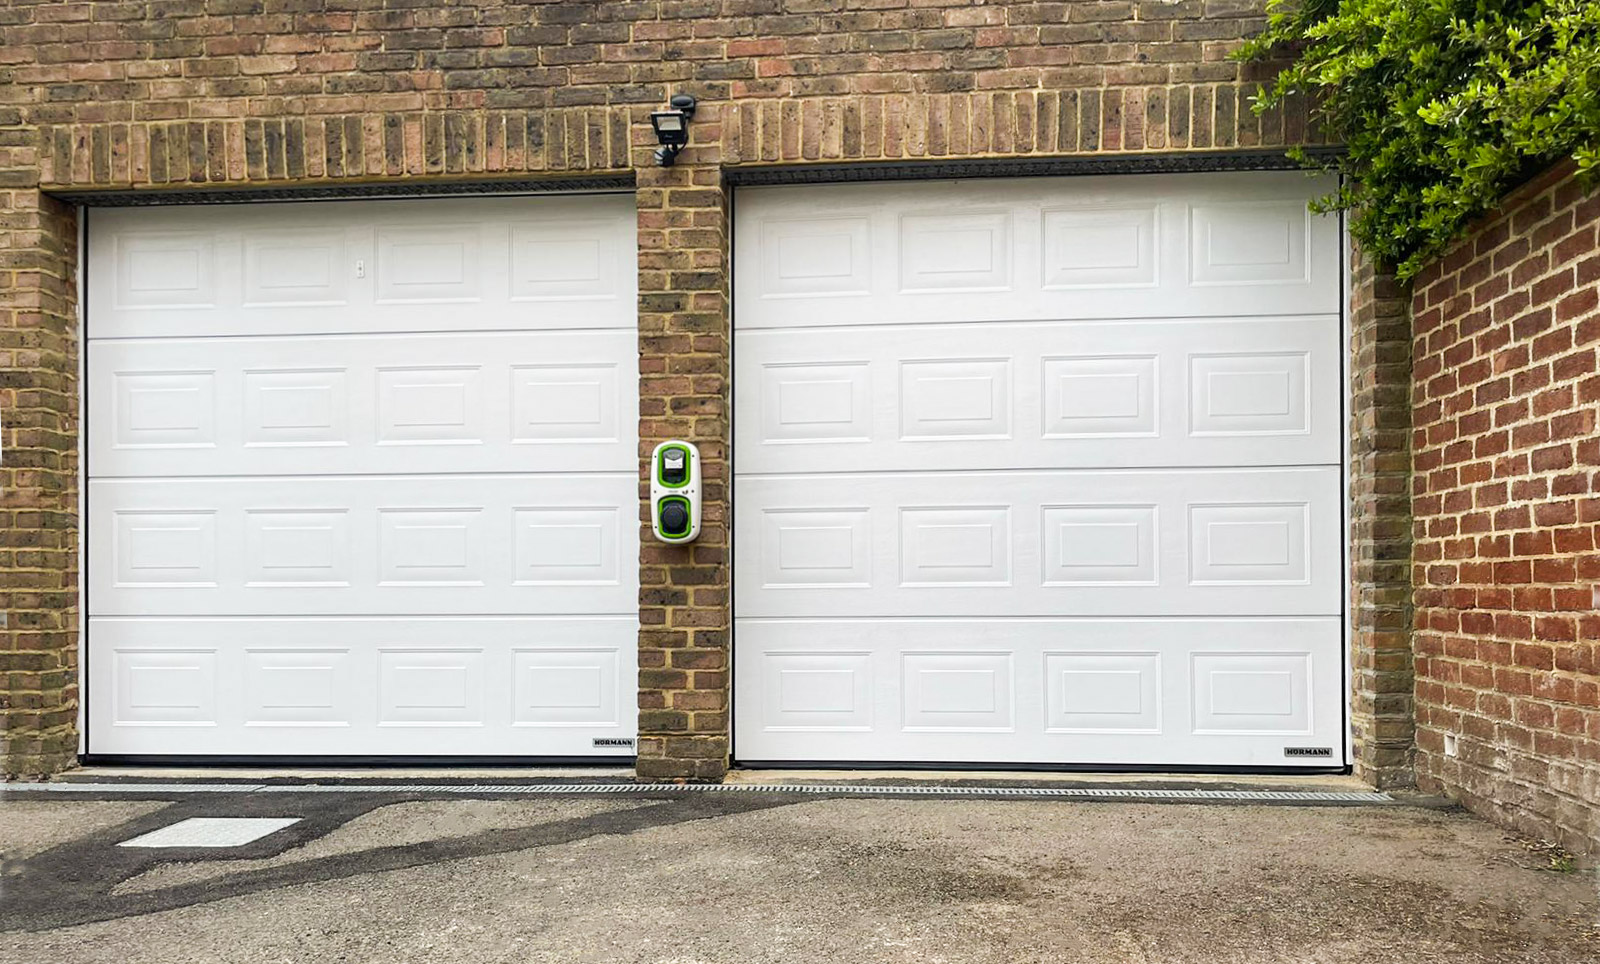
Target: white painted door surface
(1039, 471)
(362, 478)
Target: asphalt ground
(491, 875)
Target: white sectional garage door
(1039, 471)
(362, 478)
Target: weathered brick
(1381, 717)
(39, 483)
(1504, 648)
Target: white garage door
(1039, 471)
(362, 478)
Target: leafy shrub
(1443, 105)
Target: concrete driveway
(773, 876)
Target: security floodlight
(672, 128)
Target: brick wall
(186, 94)
(1507, 515)
(38, 479)
(1381, 716)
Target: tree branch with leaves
(1442, 105)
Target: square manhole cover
(211, 832)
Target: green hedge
(1443, 105)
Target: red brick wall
(1507, 515)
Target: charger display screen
(674, 467)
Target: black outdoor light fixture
(672, 128)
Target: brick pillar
(38, 475)
(684, 603)
(1381, 707)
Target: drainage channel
(641, 789)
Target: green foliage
(1443, 105)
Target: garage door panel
(374, 404)
(441, 544)
(1004, 250)
(362, 266)
(309, 686)
(362, 478)
(1071, 691)
(1039, 471)
(1127, 393)
(1042, 543)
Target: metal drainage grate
(630, 789)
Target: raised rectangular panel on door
(568, 687)
(365, 475)
(1237, 242)
(298, 687)
(811, 547)
(294, 267)
(1100, 397)
(1110, 544)
(1043, 395)
(955, 252)
(430, 405)
(564, 546)
(164, 269)
(816, 691)
(164, 409)
(296, 547)
(567, 260)
(497, 401)
(1107, 692)
(438, 687)
(1192, 542)
(1038, 470)
(433, 548)
(1255, 692)
(804, 257)
(1093, 691)
(295, 408)
(363, 544)
(811, 403)
(1087, 247)
(954, 546)
(1222, 245)
(311, 686)
(165, 687)
(960, 692)
(569, 408)
(429, 263)
(959, 398)
(336, 267)
(151, 548)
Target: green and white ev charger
(675, 492)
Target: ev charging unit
(675, 492)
